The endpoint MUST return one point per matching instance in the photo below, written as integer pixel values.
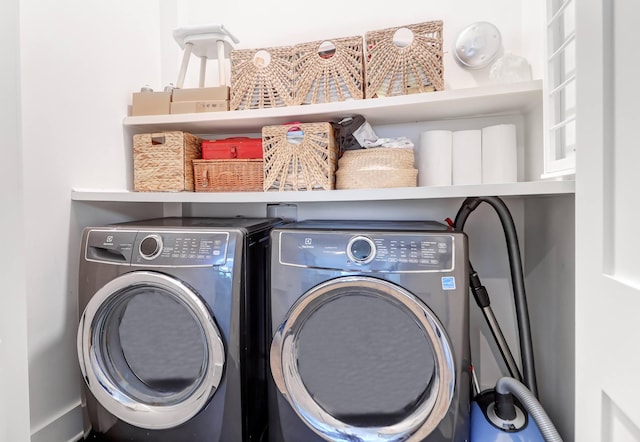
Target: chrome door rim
(287, 378)
(116, 401)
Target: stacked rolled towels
(479, 156)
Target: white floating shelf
(442, 105)
(481, 101)
(405, 193)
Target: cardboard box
(188, 107)
(201, 94)
(230, 148)
(150, 103)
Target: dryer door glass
(368, 357)
(153, 345)
(149, 349)
(365, 360)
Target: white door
(608, 221)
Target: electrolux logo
(108, 241)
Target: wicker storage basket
(335, 75)
(378, 158)
(377, 167)
(394, 70)
(237, 175)
(376, 179)
(309, 165)
(261, 78)
(162, 161)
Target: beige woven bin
(237, 175)
(376, 179)
(309, 165)
(376, 168)
(378, 158)
(261, 78)
(394, 70)
(162, 161)
(328, 70)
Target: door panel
(621, 151)
(149, 350)
(360, 358)
(607, 220)
(617, 426)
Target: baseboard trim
(67, 427)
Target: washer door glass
(149, 350)
(360, 358)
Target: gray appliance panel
(176, 248)
(108, 246)
(185, 248)
(370, 225)
(391, 252)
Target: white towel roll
(433, 158)
(499, 154)
(466, 157)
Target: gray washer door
(149, 350)
(359, 358)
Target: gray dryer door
(359, 358)
(149, 350)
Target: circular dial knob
(151, 246)
(361, 249)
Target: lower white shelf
(533, 188)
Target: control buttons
(151, 247)
(361, 250)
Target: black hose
(517, 279)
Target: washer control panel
(180, 248)
(158, 248)
(383, 251)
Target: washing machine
(172, 339)
(370, 340)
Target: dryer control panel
(375, 252)
(157, 248)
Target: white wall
(14, 400)
(80, 61)
(549, 259)
(260, 24)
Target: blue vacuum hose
(508, 385)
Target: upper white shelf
(393, 194)
(442, 105)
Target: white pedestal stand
(206, 42)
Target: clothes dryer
(370, 332)
(172, 340)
